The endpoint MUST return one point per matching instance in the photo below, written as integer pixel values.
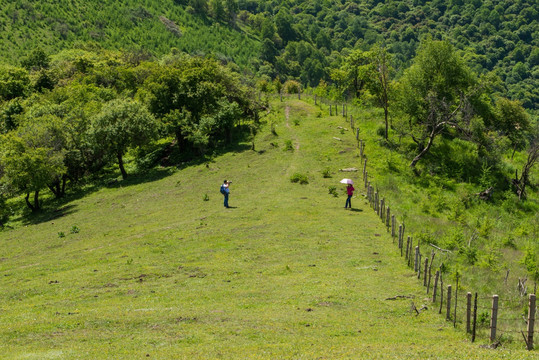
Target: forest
(301, 40)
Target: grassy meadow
(155, 267)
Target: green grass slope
(148, 269)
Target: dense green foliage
(302, 40)
(306, 39)
(141, 28)
(97, 106)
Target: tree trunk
(56, 188)
(425, 150)
(387, 126)
(121, 165)
(64, 181)
(35, 206)
(36, 200)
(28, 203)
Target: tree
(217, 9)
(353, 72)
(378, 80)
(123, 124)
(37, 59)
(231, 7)
(32, 157)
(14, 82)
(435, 94)
(513, 121)
(283, 23)
(524, 179)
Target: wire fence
(483, 317)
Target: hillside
(150, 28)
(302, 40)
(148, 268)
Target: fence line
(379, 204)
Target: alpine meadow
(119, 122)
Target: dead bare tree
(520, 182)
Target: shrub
(326, 173)
(205, 197)
(301, 178)
(288, 145)
(291, 87)
(332, 190)
(75, 229)
(470, 254)
(381, 131)
(61, 234)
(273, 130)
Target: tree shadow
(46, 215)
(54, 208)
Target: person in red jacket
(350, 191)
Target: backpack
(223, 191)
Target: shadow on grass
(54, 208)
(47, 214)
(356, 210)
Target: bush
(288, 145)
(301, 178)
(332, 190)
(326, 173)
(291, 87)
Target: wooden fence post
(474, 317)
(366, 179)
(456, 302)
(430, 270)
(435, 285)
(468, 311)
(388, 216)
(419, 267)
(315, 99)
(299, 95)
(364, 165)
(343, 114)
(382, 209)
(441, 293)
(351, 123)
(407, 248)
(416, 267)
(281, 95)
(400, 238)
(357, 135)
(393, 226)
(531, 321)
(330, 111)
(410, 256)
(448, 315)
(494, 318)
(425, 271)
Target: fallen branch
(442, 250)
(400, 297)
(348, 169)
